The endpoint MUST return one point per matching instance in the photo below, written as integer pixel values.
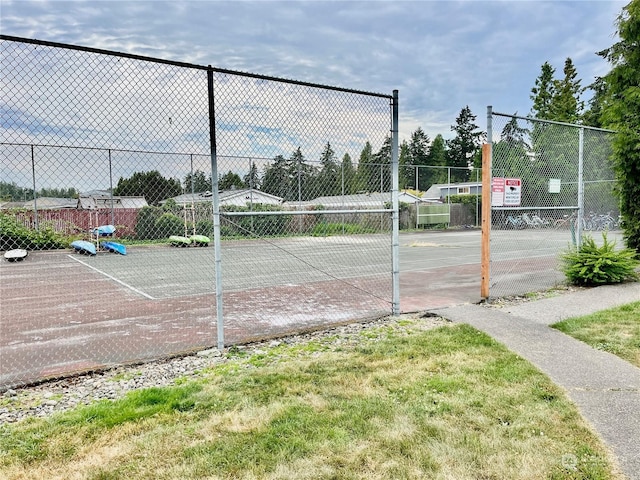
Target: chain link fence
(165, 208)
(552, 183)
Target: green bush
(256, 224)
(592, 265)
(169, 224)
(15, 235)
(204, 227)
(324, 229)
(146, 223)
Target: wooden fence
(71, 221)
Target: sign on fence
(497, 192)
(512, 192)
(506, 192)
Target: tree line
(10, 192)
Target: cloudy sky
(440, 55)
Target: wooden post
(486, 221)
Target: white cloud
(441, 55)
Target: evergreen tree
(406, 171)
(252, 178)
(511, 158)
(230, 181)
(593, 115)
(349, 177)
(464, 146)
(366, 170)
(330, 178)
(543, 91)
(291, 179)
(201, 182)
(621, 112)
(438, 158)
(382, 172)
(303, 178)
(554, 147)
(419, 157)
(515, 135)
(566, 105)
(275, 178)
(10, 192)
(58, 192)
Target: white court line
(126, 285)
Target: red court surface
(61, 314)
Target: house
(442, 190)
(239, 198)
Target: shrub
(324, 229)
(146, 224)
(169, 224)
(13, 234)
(204, 227)
(256, 224)
(591, 265)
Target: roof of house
(92, 202)
(229, 194)
(435, 190)
(45, 203)
(224, 195)
(367, 200)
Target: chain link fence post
(395, 248)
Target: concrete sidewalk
(605, 388)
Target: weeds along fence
(216, 183)
(552, 183)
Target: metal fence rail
(239, 200)
(552, 183)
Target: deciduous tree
(150, 185)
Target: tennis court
(64, 313)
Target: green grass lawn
(398, 402)
(616, 331)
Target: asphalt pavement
(605, 388)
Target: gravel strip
(57, 396)
(501, 302)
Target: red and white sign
(512, 192)
(497, 192)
